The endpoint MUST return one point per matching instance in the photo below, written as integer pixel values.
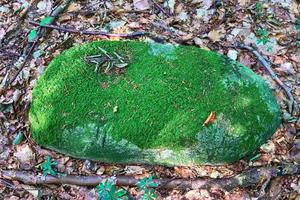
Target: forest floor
(273, 28)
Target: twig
(248, 178)
(7, 184)
(24, 62)
(14, 29)
(268, 66)
(161, 8)
(24, 58)
(74, 31)
(262, 190)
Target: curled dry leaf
(210, 119)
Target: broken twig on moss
(247, 178)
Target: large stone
(154, 112)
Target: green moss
(163, 99)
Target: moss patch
(161, 101)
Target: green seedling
(108, 191)
(264, 36)
(147, 185)
(46, 166)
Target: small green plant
(34, 32)
(46, 166)
(108, 191)
(298, 44)
(147, 185)
(297, 23)
(259, 9)
(264, 36)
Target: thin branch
(26, 55)
(161, 8)
(102, 33)
(14, 29)
(248, 178)
(7, 183)
(262, 190)
(268, 66)
(24, 61)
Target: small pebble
(232, 54)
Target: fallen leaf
(214, 35)
(44, 6)
(198, 41)
(104, 85)
(287, 68)
(183, 16)
(2, 33)
(18, 139)
(141, 4)
(296, 57)
(115, 109)
(210, 119)
(132, 170)
(184, 172)
(170, 4)
(73, 7)
(24, 153)
(114, 25)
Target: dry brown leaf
(210, 119)
(215, 35)
(74, 7)
(184, 172)
(141, 4)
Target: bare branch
(268, 66)
(248, 178)
(101, 33)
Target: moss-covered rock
(154, 112)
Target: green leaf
(298, 44)
(108, 191)
(258, 8)
(46, 20)
(298, 23)
(19, 138)
(46, 166)
(32, 35)
(121, 192)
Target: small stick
(262, 190)
(161, 8)
(24, 62)
(102, 33)
(25, 55)
(268, 66)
